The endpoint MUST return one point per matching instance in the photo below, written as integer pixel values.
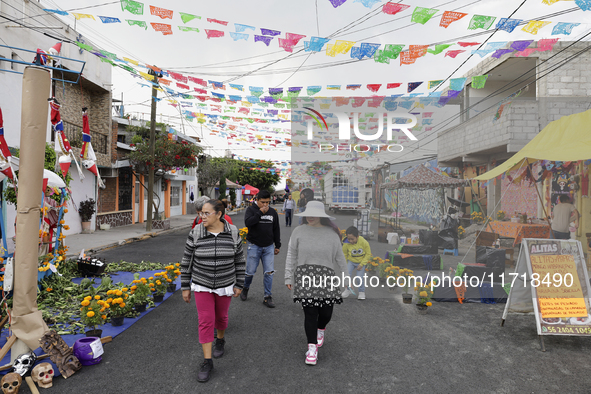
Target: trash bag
(448, 238)
(428, 237)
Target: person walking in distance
(263, 243)
(213, 269)
(288, 206)
(313, 254)
(358, 253)
(306, 196)
(562, 214)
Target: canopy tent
(422, 178)
(565, 139)
(229, 184)
(251, 190)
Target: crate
(91, 267)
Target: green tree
(223, 187)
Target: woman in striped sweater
(213, 268)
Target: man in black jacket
(264, 242)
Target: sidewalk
(105, 239)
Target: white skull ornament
(43, 375)
(11, 383)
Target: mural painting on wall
(390, 195)
(518, 196)
(421, 205)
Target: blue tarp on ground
(108, 329)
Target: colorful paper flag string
(83, 16)
(449, 17)
(241, 28)
(391, 8)
(161, 12)
(135, 7)
(188, 17)
(422, 15)
(164, 28)
(137, 23)
(564, 28)
(214, 33)
(238, 36)
(64, 13)
(481, 22)
(534, 26)
(479, 81)
(107, 19)
(507, 24)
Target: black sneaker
(218, 348)
(244, 294)
(205, 371)
(268, 301)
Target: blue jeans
(560, 235)
(288, 217)
(255, 254)
(353, 269)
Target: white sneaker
(312, 354)
(346, 293)
(361, 295)
(320, 337)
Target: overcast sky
(219, 59)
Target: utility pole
(152, 143)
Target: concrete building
(545, 85)
(92, 91)
(129, 202)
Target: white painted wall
(11, 88)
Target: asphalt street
(376, 345)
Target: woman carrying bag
(314, 252)
(213, 269)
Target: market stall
(564, 149)
(421, 178)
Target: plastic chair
(452, 251)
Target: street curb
(126, 241)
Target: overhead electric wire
(545, 72)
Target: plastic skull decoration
(11, 383)
(42, 374)
(24, 363)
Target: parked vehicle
(345, 189)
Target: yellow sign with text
(563, 298)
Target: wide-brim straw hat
(314, 209)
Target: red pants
(212, 311)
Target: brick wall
(107, 196)
(98, 101)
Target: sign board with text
(555, 287)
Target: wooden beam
(41, 357)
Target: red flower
(177, 157)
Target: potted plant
(86, 209)
(158, 285)
(118, 305)
(501, 215)
(93, 314)
(424, 293)
(461, 231)
(406, 274)
(172, 272)
(140, 291)
(393, 272)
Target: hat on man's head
(314, 209)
